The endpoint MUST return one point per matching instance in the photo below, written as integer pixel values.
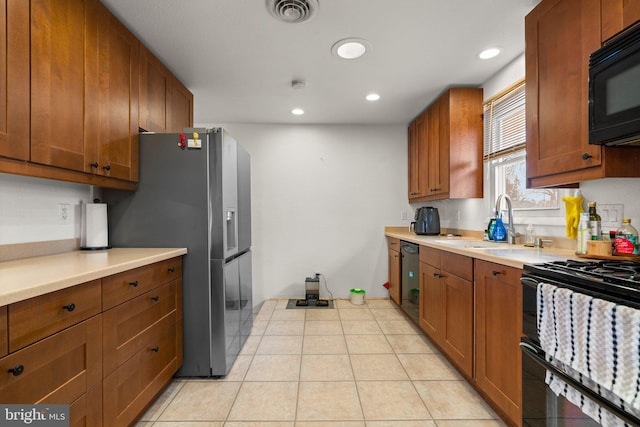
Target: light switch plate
(611, 216)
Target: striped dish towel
(597, 340)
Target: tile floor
(352, 366)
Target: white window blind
(505, 122)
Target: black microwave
(614, 91)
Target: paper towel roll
(96, 234)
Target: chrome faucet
(511, 231)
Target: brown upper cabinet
(181, 107)
(59, 53)
(445, 148)
(166, 105)
(84, 89)
(71, 96)
(417, 157)
(111, 112)
(618, 15)
(560, 35)
(14, 88)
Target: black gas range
(613, 280)
(616, 281)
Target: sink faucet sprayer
(511, 231)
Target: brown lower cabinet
(446, 309)
(395, 265)
(498, 327)
(104, 348)
(472, 310)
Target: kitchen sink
(478, 244)
(523, 254)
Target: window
(505, 154)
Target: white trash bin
(357, 296)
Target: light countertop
(500, 253)
(29, 277)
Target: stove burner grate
(622, 272)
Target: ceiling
(239, 61)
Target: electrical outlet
(611, 215)
(64, 213)
(404, 216)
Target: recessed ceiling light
(297, 111)
(372, 97)
(350, 48)
(489, 53)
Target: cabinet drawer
(124, 286)
(33, 319)
(126, 326)
(57, 369)
(393, 243)
(459, 265)
(430, 256)
(129, 389)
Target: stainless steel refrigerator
(195, 192)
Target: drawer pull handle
(69, 307)
(155, 298)
(107, 168)
(155, 349)
(172, 269)
(134, 283)
(496, 272)
(17, 370)
(586, 156)
(94, 165)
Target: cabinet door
(57, 83)
(129, 389)
(127, 326)
(498, 326)
(437, 164)
(155, 93)
(395, 276)
(557, 88)
(458, 330)
(418, 158)
(181, 107)
(618, 15)
(112, 99)
(432, 309)
(14, 88)
(73, 363)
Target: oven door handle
(534, 352)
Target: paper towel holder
(94, 227)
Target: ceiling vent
(292, 11)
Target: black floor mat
(303, 303)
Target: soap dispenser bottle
(499, 232)
(492, 225)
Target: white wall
(29, 209)
(322, 195)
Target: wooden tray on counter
(610, 257)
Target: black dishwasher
(410, 286)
